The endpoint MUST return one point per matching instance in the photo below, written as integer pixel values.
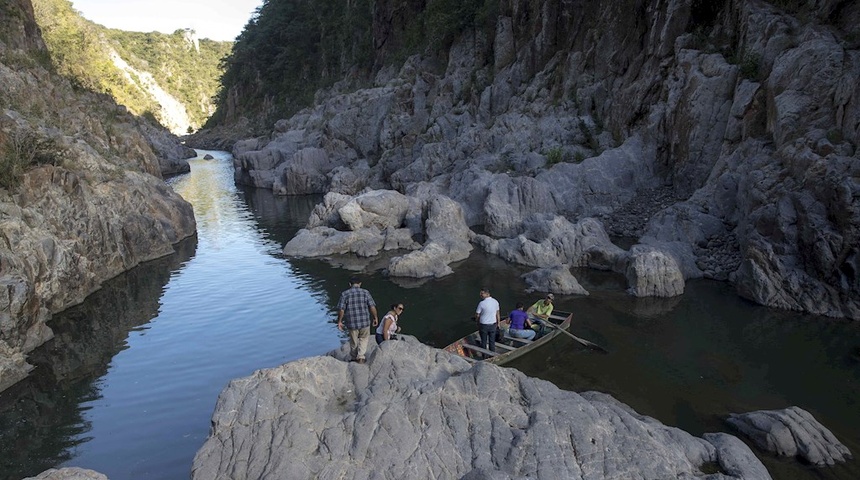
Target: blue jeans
(488, 336)
(540, 323)
(526, 333)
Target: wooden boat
(469, 347)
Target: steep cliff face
(81, 198)
(722, 134)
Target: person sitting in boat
(540, 311)
(520, 325)
(388, 326)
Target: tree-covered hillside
(187, 68)
(292, 48)
(289, 49)
(86, 52)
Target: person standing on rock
(488, 318)
(540, 311)
(356, 308)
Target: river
(128, 385)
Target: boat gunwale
(502, 358)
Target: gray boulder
(69, 473)
(323, 417)
(653, 273)
(553, 240)
(377, 221)
(556, 279)
(447, 242)
(791, 432)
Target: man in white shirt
(488, 317)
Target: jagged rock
(96, 209)
(791, 432)
(511, 200)
(447, 242)
(305, 173)
(653, 273)
(556, 279)
(552, 240)
(446, 418)
(69, 473)
(375, 209)
(759, 151)
(371, 220)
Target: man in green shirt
(540, 311)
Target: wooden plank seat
(525, 341)
(505, 346)
(507, 350)
(479, 349)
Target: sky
(213, 19)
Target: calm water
(128, 385)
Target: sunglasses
(399, 308)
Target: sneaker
(360, 360)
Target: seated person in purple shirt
(520, 325)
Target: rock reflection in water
(41, 418)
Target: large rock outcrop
(382, 220)
(413, 411)
(792, 432)
(91, 206)
(748, 114)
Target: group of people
(526, 324)
(356, 311)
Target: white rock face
(173, 113)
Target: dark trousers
(488, 336)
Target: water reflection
(129, 384)
(42, 418)
(709, 355)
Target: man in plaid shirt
(356, 307)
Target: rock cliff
(82, 198)
(721, 136)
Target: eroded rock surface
(723, 135)
(92, 207)
(69, 473)
(384, 220)
(791, 432)
(417, 412)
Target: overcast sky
(213, 19)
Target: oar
(580, 340)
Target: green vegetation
(443, 20)
(81, 50)
(750, 66)
(187, 73)
(791, 6)
(292, 48)
(554, 155)
(24, 149)
(835, 136)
